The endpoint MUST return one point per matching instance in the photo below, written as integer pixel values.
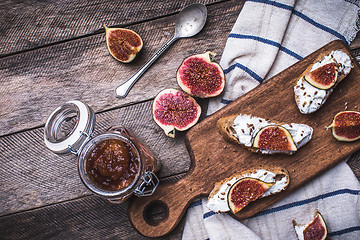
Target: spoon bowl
(189, 22)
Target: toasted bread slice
(226, 126)
(321, 56)
(309, 98)
(267, 174)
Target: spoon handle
(122, 90)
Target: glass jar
(113, 164)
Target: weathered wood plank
(32, 176)
(355, 44)
(85, 218)
(354, 163)
(31, 24)
(36, 82)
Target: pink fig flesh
(174, 109)
(275, 138)
(346, 126)
(123, 44)
(315, 230)
(323, 77)
(199, 76)
(244, 191)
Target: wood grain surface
(51, 22)
(38, 81)
(43, 178)
(54, 51)
(221, 159)
(41, 191)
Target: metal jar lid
(69, 127)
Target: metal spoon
(189, 22)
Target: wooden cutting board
(214, 159)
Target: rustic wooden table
(55, 51)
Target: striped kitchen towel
(268, 37)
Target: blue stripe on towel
(344, 231)
(246, 69)
(267, 41)
(276, 4)
(306, 201)
(209, 214)
(195, 204)
(322, 27)
(304, 17)
(224, 101)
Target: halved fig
(323, 77)
(200, 77)
(174, 109)
(346, 126)
(245, 191)
(274, 137)
(315, 230)
(123, 44)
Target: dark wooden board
(32, 24)
(36, 82)
(220, 159)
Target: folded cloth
(268, 37)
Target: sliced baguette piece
(217, 200)
(225, 124)
(309, 98)
(230, 126)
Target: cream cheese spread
(218, 202)
(247, 126)
(311, 98)
(300, 231)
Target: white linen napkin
(268, 37)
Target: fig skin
(324, 77)
(315, 230)
(174, 109)
(123, 44)
(200, 77)
(346, 126)
(279, 139)
(250, 190)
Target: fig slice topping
(276, 138)
(123, 44)
(244, 191)
(200, 77)
(323, 77)
(174, 109)
(315, 230)
(346, 126)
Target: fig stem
(328, 127)
(122, 90)
(211, 55)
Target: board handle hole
(155, 212)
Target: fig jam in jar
(113, 164)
